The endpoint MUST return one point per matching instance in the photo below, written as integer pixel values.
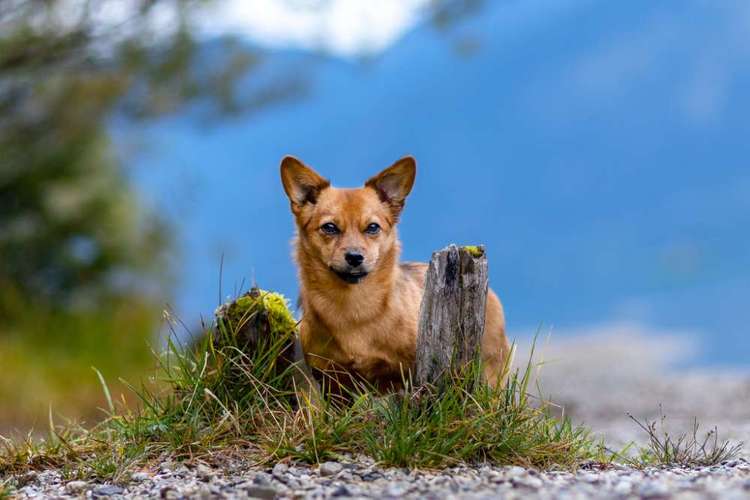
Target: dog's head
(347, 230)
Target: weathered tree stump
(260, 326)
(451, 322)
(258, 334)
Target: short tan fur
(360, 303)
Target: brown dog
(360, 305)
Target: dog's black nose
(354, 259)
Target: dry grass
(685, 449)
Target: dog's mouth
(351, 277)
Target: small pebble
(205, 473)
(330, 468)
(653, 489)
(108, 490)
(341, 491)
(623, 487)
(76, 486)
(515, 471)
(263, 492)
(169, 493)
(280, 469)
(140, 476)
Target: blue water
(599, 149)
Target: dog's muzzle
(351, 277)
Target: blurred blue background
(598, 149)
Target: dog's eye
(372, 229)
(330, 228)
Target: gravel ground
(364, 480)
(597, 379)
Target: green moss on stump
(254, 338)
(270, 308)
(474, 250)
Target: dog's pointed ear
(301, 183)
(394, 183)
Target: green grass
(46, 356)
(230, 394)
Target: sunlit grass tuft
(231, 392)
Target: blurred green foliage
(82, 260)
(71, 227)
(47, 355)
(83, 273)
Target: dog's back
(415, 271)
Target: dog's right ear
(301, 183)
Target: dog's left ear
(394, 183)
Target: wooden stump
(255, 322)
(452, 315)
